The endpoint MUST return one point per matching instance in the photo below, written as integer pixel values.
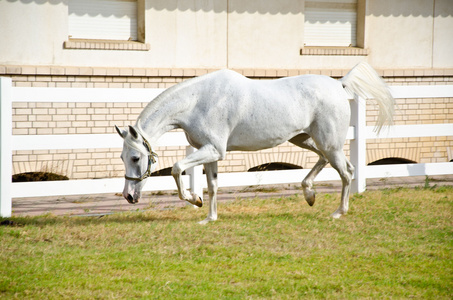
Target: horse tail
(364, 81)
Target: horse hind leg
(211, 177)
(345, 169)
(304, 141)
(307, 183)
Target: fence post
(196, 175)
(358, 144)
(6, 131)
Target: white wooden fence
(358, 134)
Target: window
(103, 19)
(334, 23)
(106, 25)
(330, 23)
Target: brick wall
(81, 118)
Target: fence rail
(358, 134)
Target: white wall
(188, 36)
(270, 39)
(443, 34)
(256, 34)
(32, 32)
(400, 33)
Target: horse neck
(160, 115)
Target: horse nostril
(129, 198)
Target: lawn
(394, 243)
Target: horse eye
(135, 159)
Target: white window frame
(134, 41)
(357, 48)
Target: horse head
(139, 160)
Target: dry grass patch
(394, 243)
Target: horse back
(244, 114)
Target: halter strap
(151, 160)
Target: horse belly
(251, 138)
(267, 124)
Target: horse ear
(121, 132)
(133, 132)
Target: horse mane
(168, 95)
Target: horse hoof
(310, 197)
(336, 215)
(199, 202)
(206, 221)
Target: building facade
(158, 43)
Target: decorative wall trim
(254, 159)
(12, 70)
(412, 154)
(332, 51)
(105, 45)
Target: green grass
(394, 243)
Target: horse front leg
(184, 194)
(211, 177)
(204, 155)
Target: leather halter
(151, 160)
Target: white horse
(225, 111)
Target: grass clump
(38, 176)
(394, 243)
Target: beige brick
(98, 130)
(63, 84)
(137, 85)
(72, 71)
(260, 73)
(57, 71)
(85, 71)
(13, 70)
(101, 123)
(84, 168)
(23, 84)
(115, 85)
(112, 71)
(100, 155)
(99, 71)
(139, 72)
(20, 118)
(60, 130)
(152, 72)
(23, 124)
(83, 130)
(271, 73)
(43, 78)
(101, 85)
(97, 79)
(20, 131)
(84, 117)
(20, 105)
(78, 85)
(42, 118)
(22, 111)
(126, 72)
(167, 72)
(44, 131)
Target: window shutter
(330, 23)
(103, 19)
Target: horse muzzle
(131, 199)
